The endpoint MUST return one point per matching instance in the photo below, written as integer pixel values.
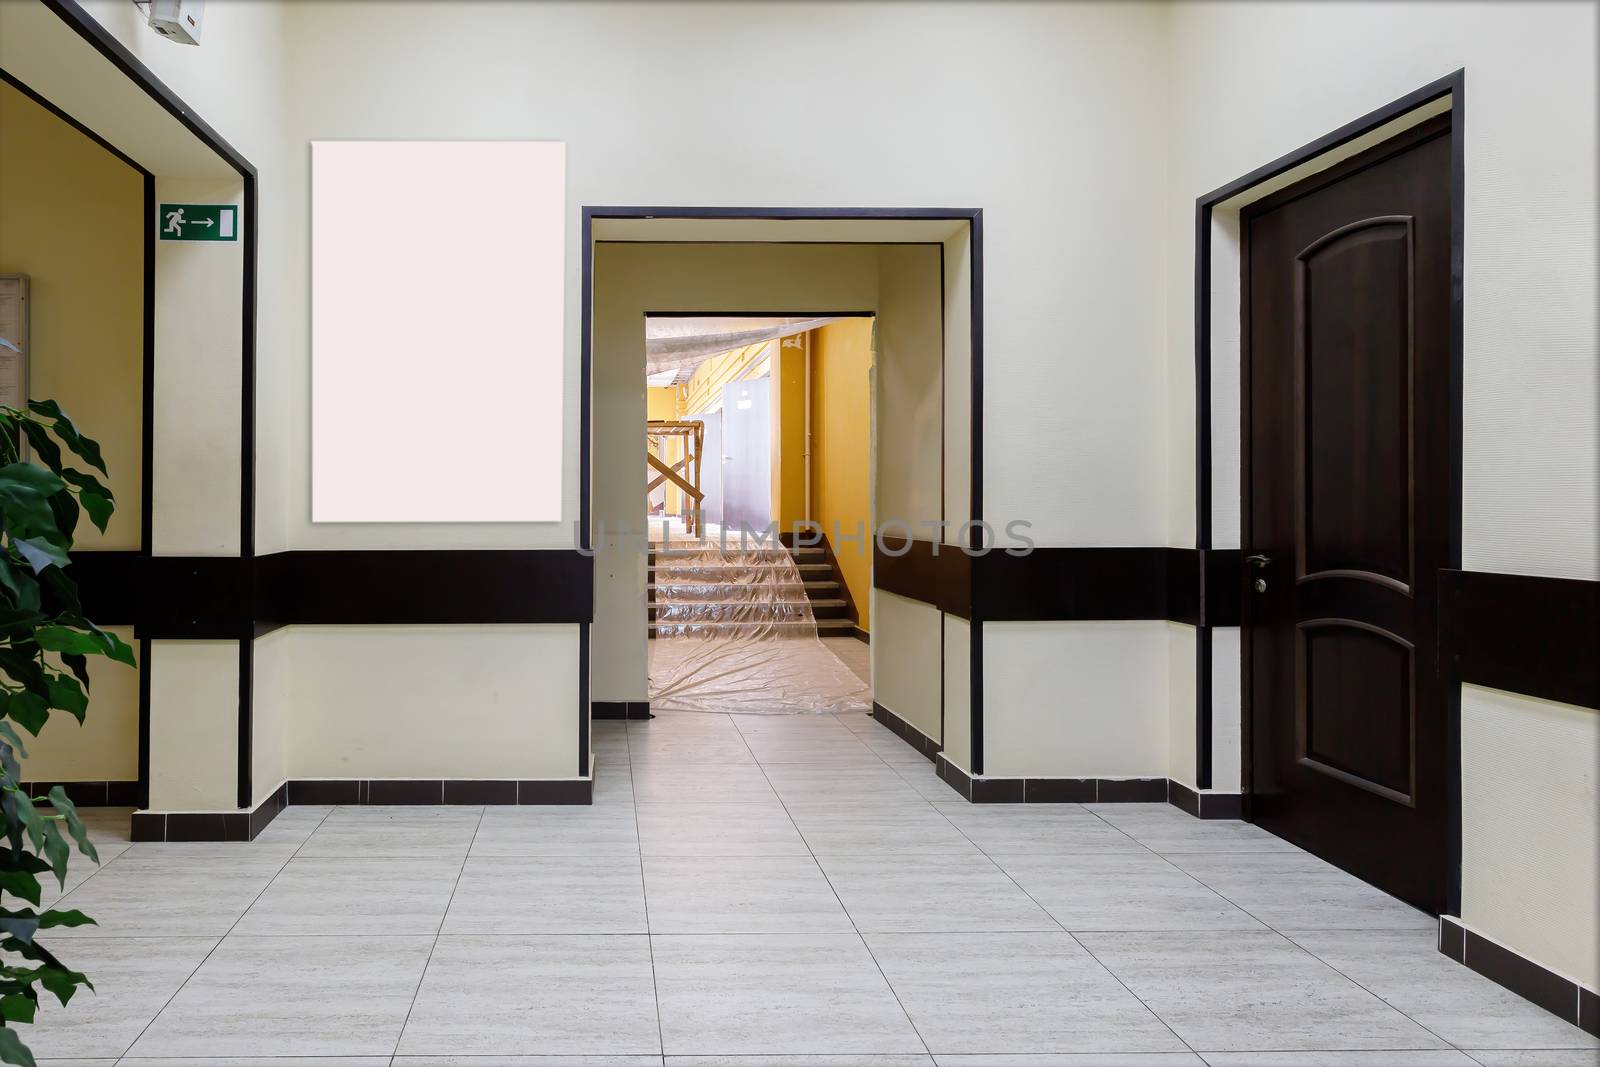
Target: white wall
(1075, 699)
(905, 643)
(271, 706)
(1532, 484)
(1530, 827)
(433, 702)
(194, 725)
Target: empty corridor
(758, 887)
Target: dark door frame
(1452, 85)
(973, 217)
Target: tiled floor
(814, 896)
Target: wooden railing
(685, 472)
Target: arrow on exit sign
(199, 222)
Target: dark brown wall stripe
(1065, 583)
(1523, 634)
(199, 597)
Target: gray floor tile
(776, 994)
(741, 895)
(693, 783)
(1164, 828)
(860, 828)
(438, 832)
(866, 785)
(1388, 1058)
(548, 895)
(579, 995)
(1460, 1005)
(1536, 1058)
(258, 1061)
(691, 750)
(1014, 993)
(906, 1060)
(557, 830)
(527, 1061)
(292, 996)
(353, 895)
(133, 977)
(175, 891)
(717, 830)
(1240, 990)
(1076, 1059)
(918, 892)
(1298, 891)
(1121, 891)
(1045, 829)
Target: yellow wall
(789, 432)
(703, 391)
(72, 219)
(841, 448)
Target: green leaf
(60, 638)
(43, 446)
(56, 851)
(23, 587)
(85, 449)
(19, 925)
(13, 1051)
(64, 918)
(29, 478)
(18, 1008)
(9, 735)
(68, 695)
(79, 666)
(99, 508)
(41, 552)
(21, 885)
(28, 709)
(63, 983)
(29, 817)
(63, 804)
(64, 506)
(18, 620)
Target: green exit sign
(198, 222)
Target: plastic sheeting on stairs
(735, 634)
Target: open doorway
(758, 449)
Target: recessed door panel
(1347, 509)
(1353, 297)
(1356, 706)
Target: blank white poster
(437, 272)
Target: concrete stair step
(825, 627)
(821, 609)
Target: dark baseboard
(861, 635)
(906, 732)
(245, 825)
(91, 794)
(620, 709)
(1205, 805)
(1062, 790)
(1088, 791)
(400, 791)
(1559, 996)
(208, 825)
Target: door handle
(1258, 561)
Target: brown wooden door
(1348, 453)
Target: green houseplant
(45, 643)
